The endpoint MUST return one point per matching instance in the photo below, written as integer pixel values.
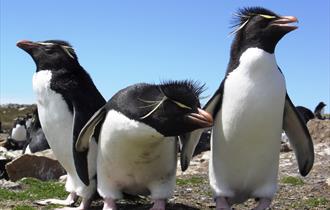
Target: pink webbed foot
(263, 204)
(159, 204)
(84, 205)
(69, 201)
(109, 204)
(222, 204)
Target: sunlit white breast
(247, 130)
(134, 158)
(19, 133)
(55, 117)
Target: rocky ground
(192, 191)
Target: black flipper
(93, 125)
(80, 158)
(190, 140)
(299, 137)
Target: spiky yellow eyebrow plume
(45, 43)
(66, 49)
(154, 109)
(181, 104)
(239, 28)
(267, 16)
(159, 103)
(248, 19)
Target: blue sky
(125, 42)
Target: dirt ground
(295, 192)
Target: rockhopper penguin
(66, 99)
(137, 144)
(250, 109)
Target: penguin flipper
(189, 141)
(80, 156)
(88, 130)
(299, 137)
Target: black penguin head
(50, 54)
(319, 107)
(321, 104)
(262, 28)
(19, 121)
(174, 108)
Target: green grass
(23, 207)
(295, 181)
(313, 203)
(191, 181)
(34, 189)
(316, 202)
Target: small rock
(41, 165)
(328, 182)
(285, 147)
(4, 184)
(5, 154)
(63, 178)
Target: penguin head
(50, 54)
(260, 27)
(173, 108)
(322, 104)
(19, 121)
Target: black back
(71, 81)
(139, 100)
(305, 113)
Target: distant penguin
(305, 113)
(28, 120)
(319, 110)
(18, 132)
(137, 145)
(17, 137)
(36, 139)
(250, 109)
(66, 99)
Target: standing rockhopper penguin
(66, 99)
(137, 144)
(250, 109)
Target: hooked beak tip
(202, 118)
(25, 44)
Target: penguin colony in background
(130, 141)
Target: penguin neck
(252, 59)
(241, 45)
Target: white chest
(254, 94)
(247, 130)
(19, 133)
(133, 154)
(55, 117)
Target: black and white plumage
(18, 132)
(137, 144)
(319, 110)
(250, 109)
(17, 135)
(66, 99)
(36, 139)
